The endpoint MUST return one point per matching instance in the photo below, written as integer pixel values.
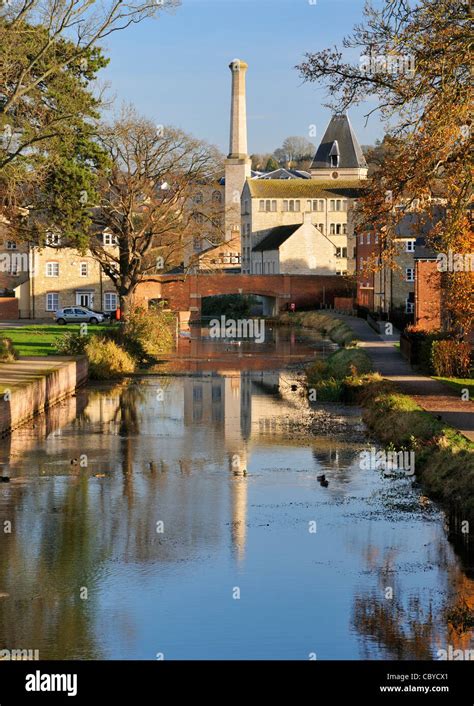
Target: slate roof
(304, 188)
(276, 237)
(417, 225)
(339, 139)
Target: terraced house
(37, 281)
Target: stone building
(45, 279)
(270, 204)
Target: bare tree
(149, 210)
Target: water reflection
(161, 495)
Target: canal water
(179, 515)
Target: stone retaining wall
(29, 385)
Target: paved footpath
(433, 396)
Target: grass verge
(444, 458)
(459, 384)
(41, 339)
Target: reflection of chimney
(238, 111)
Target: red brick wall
(8, 308)
(345, 303)
(185, 295)
(428, 296)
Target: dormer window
(334, 154)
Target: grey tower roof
(339, 140)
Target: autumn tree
(414, 67)
(151, 203)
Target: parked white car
(78, 314)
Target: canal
(181, 515)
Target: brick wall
(186, 294)
(428, 299)
(8, 308)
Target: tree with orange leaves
(414, 60)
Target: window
(109, 239)
(52, 301)
(261, 205)
(368, 238)
(409, 307)
(291, 205)
(285, 205)
(198, 198)
(337, 229)
(361, 239)
(52, 269)
(344, 205)
(321, 227)
(274, 205)
(110, 301)
(84, 269)
(11, 245)
(246, 206)
(315, 205)
(196, 243)
(197, 393)
(410, 274)
(341, 252)
(216, 196)
(199, 218)
(376, 238)
(410, 246)
(53, 239)
(344, 228)
(361, 263)
(332, 229)
(332, 206)
(334, 160)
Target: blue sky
(175, 69)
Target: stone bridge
(184, 293)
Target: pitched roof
(276, 237)
(339, 139)
(304, 188)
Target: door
(85, 299)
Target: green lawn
(459, 384)
(40, 339)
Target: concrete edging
(30, 385)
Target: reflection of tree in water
(410, 629)
(405, 631)
(44, 575)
